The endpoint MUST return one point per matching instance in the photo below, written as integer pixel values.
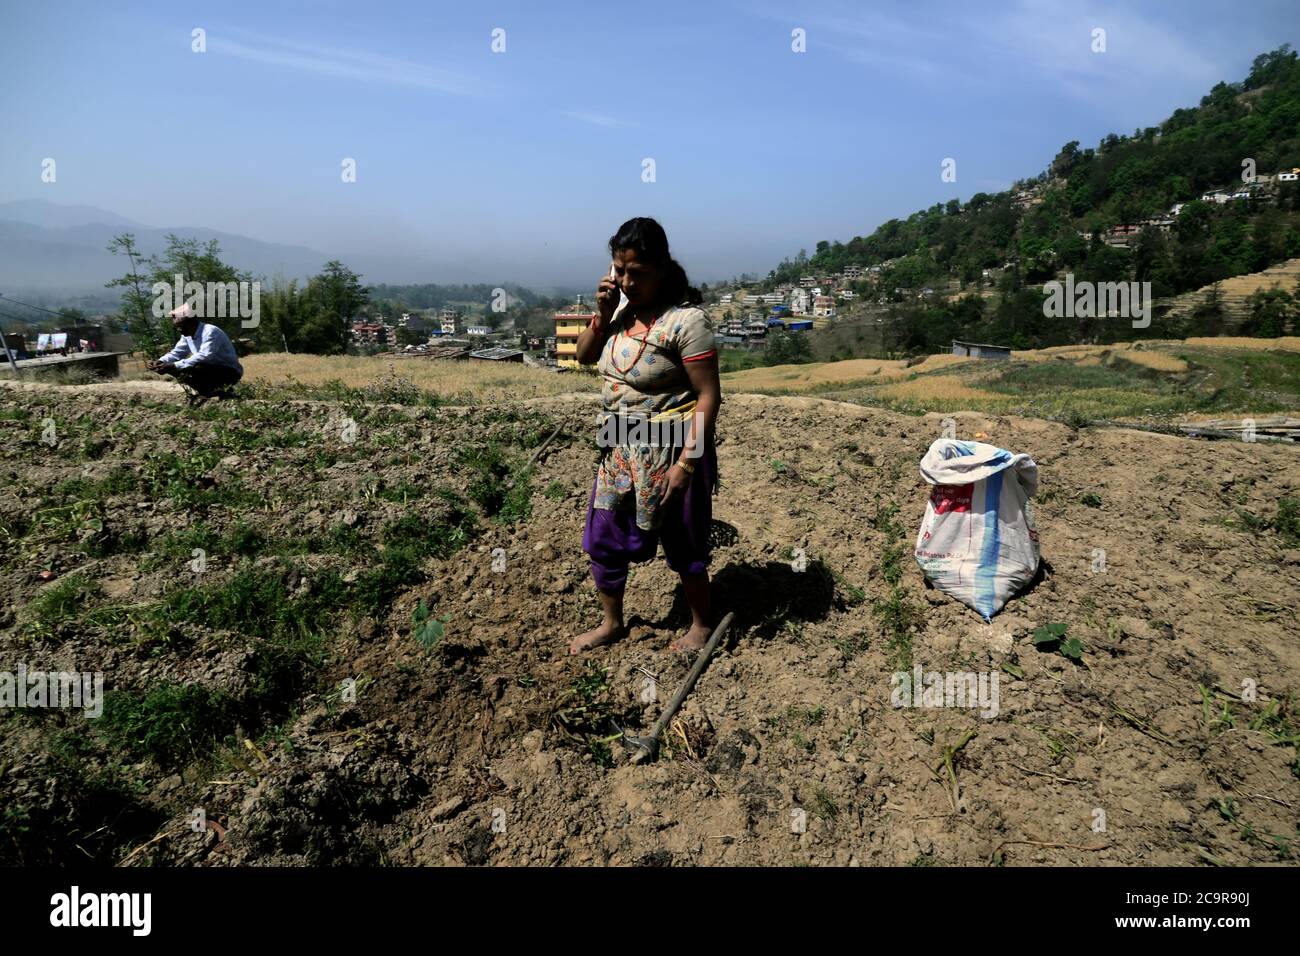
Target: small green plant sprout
(429, 630)
(1051, 637)
(1090, 499)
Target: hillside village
(746, 312)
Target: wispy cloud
(1054, 39)
(355, 65)
(595, 119)
(1046, 42)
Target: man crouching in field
(204, 359)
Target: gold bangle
(690, 469)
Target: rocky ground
(368, 663)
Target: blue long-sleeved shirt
(207, 346)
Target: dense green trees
(1271, 311)
(310, 318)
(314, 317)
(787, 348)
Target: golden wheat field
(945, 388)
(485, 382)
(800, 377)
(1287, 343)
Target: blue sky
(517, 166)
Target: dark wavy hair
(650, 243)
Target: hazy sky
(517, 166)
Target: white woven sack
(977, 542)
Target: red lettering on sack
(951, 498)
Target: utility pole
(4, 342)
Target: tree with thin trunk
(136, 299)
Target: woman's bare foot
(693, 639)
(606, 633)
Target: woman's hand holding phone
(607, 296)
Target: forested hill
(1112, 213)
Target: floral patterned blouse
(645, 374)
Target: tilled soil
(493, 746)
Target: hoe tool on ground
(647, 748)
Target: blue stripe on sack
(963, 448)
(986, 573)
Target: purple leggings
(613, 540)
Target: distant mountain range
(48, 248)
(55, 255)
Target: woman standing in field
(656, 356)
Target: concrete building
(568, 326)
(371, 333)
(1122, 234)
(450, 321)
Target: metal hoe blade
(647, 748)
